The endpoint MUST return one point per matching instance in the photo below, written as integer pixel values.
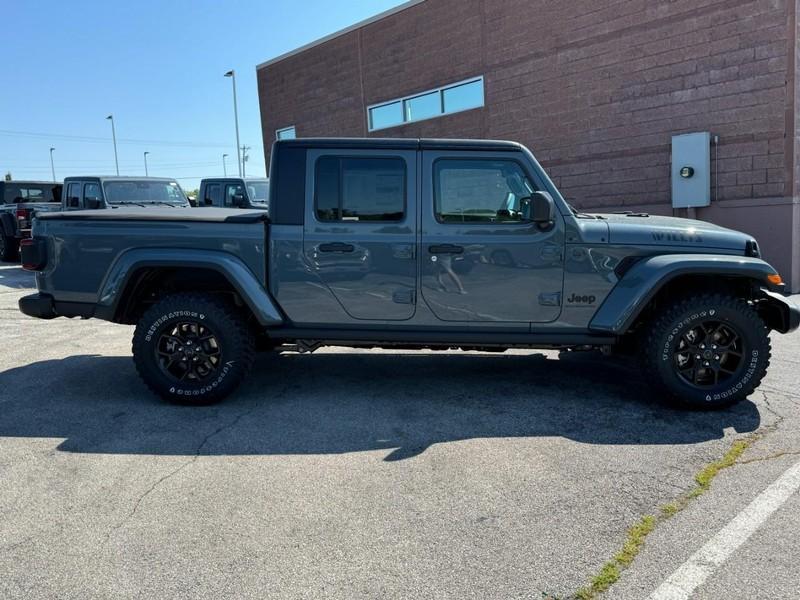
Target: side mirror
(238, 199)
(542, 208)
(93, 203)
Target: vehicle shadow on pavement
(330, 403)
(15, 277)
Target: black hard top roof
(400, 144)
(30, 181)
(233, 178)
(116, 178)
(137, 213)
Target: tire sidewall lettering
(667, 349)
(156, 325)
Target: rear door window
(360, 189)
(213, 195)
(74, 195)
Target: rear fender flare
(644, 279)
(232, 268)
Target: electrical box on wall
(691, 170)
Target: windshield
(258, 191)
(31, 192)
(122, 192)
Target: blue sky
(158, 67)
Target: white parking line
(683, 582)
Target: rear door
(212, 195)
(482, 259)
(360, 230)
(72, 199)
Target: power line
(102, 140)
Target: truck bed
(137, 213)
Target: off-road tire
(233, 341)
(675, 328)
(9, 248)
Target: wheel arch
(653, 278)
(145, 275)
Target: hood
(653, 230)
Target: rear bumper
(40, 306)
(44, 306)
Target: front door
(359, 234)
(482, 259)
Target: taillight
(24, 217)
(33, 254)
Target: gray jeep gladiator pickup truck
(93, 192)
(19, 202)
(234, 192)
(413, 244)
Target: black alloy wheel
(709, 353)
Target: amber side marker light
(776, 279)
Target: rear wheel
(707, 351)
(193, 348)
(9, 248)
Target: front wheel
(707, 351)
(193, 348)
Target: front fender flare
(231, 267)
(644, 279)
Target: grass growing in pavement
(610, 572)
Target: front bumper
(782, 314)
(40, 306)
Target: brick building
(596, 88)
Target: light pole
(114, 137)
(145, 164)
(52, 166)
(232, 75)
(224, 167)
(244, 158)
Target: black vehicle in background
(234, 192)
(19, 201)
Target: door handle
(336, 247)
(446, 249)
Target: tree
(8, 175)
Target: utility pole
(52, 166)
(114, 137)
(244, 158)
(232, 75)
(224, 167)
(145, 164)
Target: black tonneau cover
(162, 213)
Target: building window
(285, 133)
(453, 98)
(360, 189)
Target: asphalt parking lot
(366, 474)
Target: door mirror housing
(238, 200)
(542, 208)
(93, 203)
